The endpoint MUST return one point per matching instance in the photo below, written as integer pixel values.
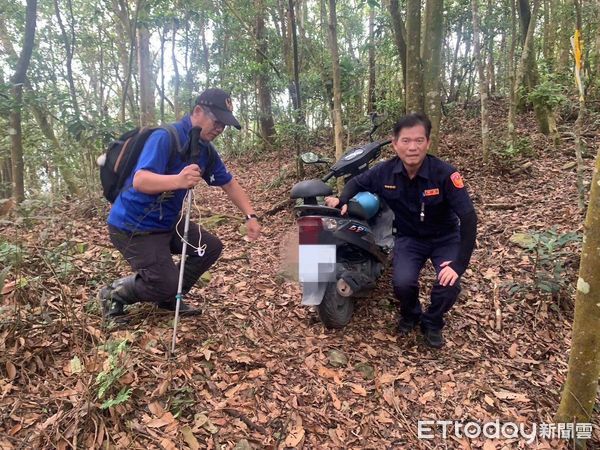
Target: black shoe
(184, 309)
(113, 298)
(405, 326)
(433, 338)
(111, 306)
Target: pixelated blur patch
(457, 180)
(288, 253)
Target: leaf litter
(257, 370)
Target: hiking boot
(405, 326)
(115, 297)
(433, 338)
(184, 308)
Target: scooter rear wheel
(335, 311)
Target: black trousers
(410, 255)
(150, 255)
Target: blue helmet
(368, 202)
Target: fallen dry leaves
(255, 370)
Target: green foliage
(182, 401)
(291, 135)
(121, 397)
(107, 379)
(10, 254)
(62, 257)
(509, 154)
(547, 94)
(547, 250)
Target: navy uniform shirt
(429, 205)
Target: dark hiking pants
(410, 255)
(150, 256)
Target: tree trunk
(41, 117)
(452, 94)
(580, 389)
(546, 44)
(69, 44)
(491, 72)
(265, 114)
(432, 66)
(399, 37)
(414, 70)
(127, 28)
(530, 75)
(5, 178)
(17, 80)
(520, 74)
(147, 108)
(337, 88)
(510, 68)
(176, 78)
(299, 114)
(205, 51)
(163, 38)
(371, 86)
(483, 88)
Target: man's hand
(189, 176)
(447, 276)
(253, 228)
(333, 202)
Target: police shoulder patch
(457, 180)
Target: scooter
(341, 257)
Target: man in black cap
(144, 221)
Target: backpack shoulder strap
(174, 136)
(210, 162)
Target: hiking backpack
(123, 153)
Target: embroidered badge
(431, 192)
(229, 104)
(389, 186)
(457, 180)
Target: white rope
(201, 248)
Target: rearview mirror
(310, 158)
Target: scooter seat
(310, 188)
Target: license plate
(317, 263)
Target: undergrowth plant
(107, 380)
(548, 251)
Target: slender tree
(520, 74)
(17, 81)
(337, 88)
(432, 66)
(146, 78)
(265, 113)
(399, 38)
(581, 387)
(483, 86)
(69, 44)
(414, 70)
(371, 85)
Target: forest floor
(257, 370)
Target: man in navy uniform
(434, 219)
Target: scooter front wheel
(335, 311)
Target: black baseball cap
(219, 103)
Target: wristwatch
(251, 216)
